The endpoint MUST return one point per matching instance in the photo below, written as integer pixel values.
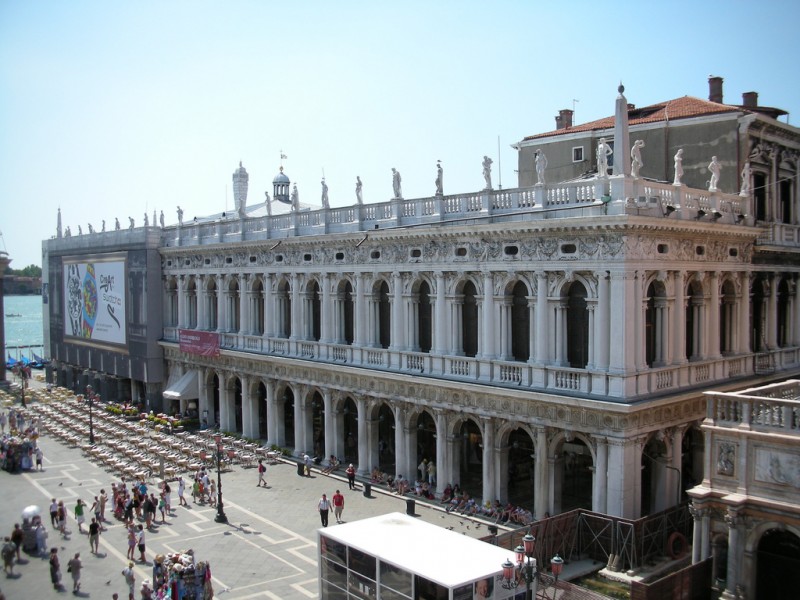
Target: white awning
(185, 388)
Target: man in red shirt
(338, 506)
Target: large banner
(202, 343)
(94, 296)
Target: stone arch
(422, 300)
(571, 476)
(516, 445)
(774, 551)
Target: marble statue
(746, 172)
(487, 172)
(154, 217)
(132, 224)
(541, 165)
(91, 229)
(396, 180)
(116, 224)
(59, 231)
(359, 196)
(678, 167)
(325, 203)
(161, 219)
(103, 227)
(295, 198)
(240, 181)
(67, 232)
(603, 152)
(439, 176)
(268, 203)
(80, 231)
(180, 216)
(146, 221)
(636, 157)
(714, 167)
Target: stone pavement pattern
(266, 550)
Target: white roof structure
(437, 554)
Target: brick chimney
(750, 99)
(715, 89)
(564, 119)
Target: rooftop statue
(80, 231)
(132, 224)
(146, 222)
(268, 203)
(104, 226)
(396, 180)
(678, 167)
(714, 167)
(359, 197)
(636, 157)
(295, 198)
(240, 180)
(325, 203)
(487, 172)
(603, 152)
(180, 216)
(116, 224)
(67, 232)
(90, 228)
(439, 176)
(746, 172)
(541, 165)
(161, 219)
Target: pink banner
(204, 343)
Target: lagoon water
(26, 329)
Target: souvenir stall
(178, 577)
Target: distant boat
(13, 315)
(11, 362)
(38, 362)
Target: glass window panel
(361, 587)
(390, 594)
(396, 578)
(362, 563)
(333, 572)
(333, 550)
(425, 589)
(331, 592)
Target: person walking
(130, 578)
(323, 506)
(181, 490)
(74, 568)
(96, 508)
(39, 457)
(131, 542)
(94, 535)
(141, 544)
(79, 509)
(103, 502)
(351, 476)
(261, 470)
(54, 513)
(62, 518)
(162, 507)
(338, 506)
(8, 556)
(55, 568)
(17, 536)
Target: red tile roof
(680, 108)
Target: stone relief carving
(726, 459)
(781, 468)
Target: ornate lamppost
(525, 568)
(90, 397)
(556, 565)
(220, 518)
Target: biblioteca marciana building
(548, 345)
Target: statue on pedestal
(487, 172)
(104, 226)
(268, 203)
(240, 180)
(603, 152)
(325, 203)
(80, 231)
(746, 172)
(396, 180)
(439, 177)
(295, 198)
(180, 216)
(161, 219)
(67, 232)
(359, 197)
(678, 167)
(116, 224)
(132, 224)
(146, 221)
(714, 167)
(636, 158)
(541, 165)
(90, 228)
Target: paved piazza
(267, 549)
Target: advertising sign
(202, 343)
(94, 296)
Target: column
(624, 498)
(442, 471)
(299, 421)
(600, 483)
(697, 531)
(638, 319)
(297, 309)
(397, 341)
(272, 413)
(487, 437)
(542, 334)
(181, 291)
(249, 409)
(440, 336)
(400, 455)
(221, 324)
(735, 553)
(363, 446)
(488, 350)
(743, 314)
(772, 313)
(203, 402)
(202, 309)
(560, 329)
(360, 312)
(244, 306)
(269, 306)
(712, 329)
(602, 321)
(679, 326)
(227, 420)
(326, 327)
(541, 474)
(330, 423)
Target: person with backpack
(261, 470)
(8, 556)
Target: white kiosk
(398, 557)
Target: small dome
(281, 177)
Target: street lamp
(556, 565)
(220, 518)
(90, 397)
(525, 567)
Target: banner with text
(94, 295)
(203, 343)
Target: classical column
(330, 423)
(400, 456)
(203, 402)
(442, 471)
(299, 422)
(624, 497)
(679, 326)
(772, 313)
(221, 324)
(489, 322)
(487, 437)
(363, 446)
(297, 311)
(244, 305)
(639, 358)
(269, 306)
(542, 334)
(397, 341)
(541, 475)
(600, 482)
(227, 420)
(272, 414)
(504, 330)
(712, 328)
(249, 409)
(326, 327)
(360, 311)
(697, 531)
(202, 308)
(735, 522)
(181, 291)
(602, 321)
(743, 313)
(440, 337)
(560, 327)
(622, 330)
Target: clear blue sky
(110, 109)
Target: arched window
(469, 320)
(577, 326)
(520, 323)
(314, 311)
(760, 196)
(234, 313)
(655, 325)
(346, 316)
(727, 318)
(211, 304)
(758, 341)
(191, 303)
(384, 316)
(172, 299)
(424, 318)
(783, 317)
(258, 308)
(694, 321)
(284, 310)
